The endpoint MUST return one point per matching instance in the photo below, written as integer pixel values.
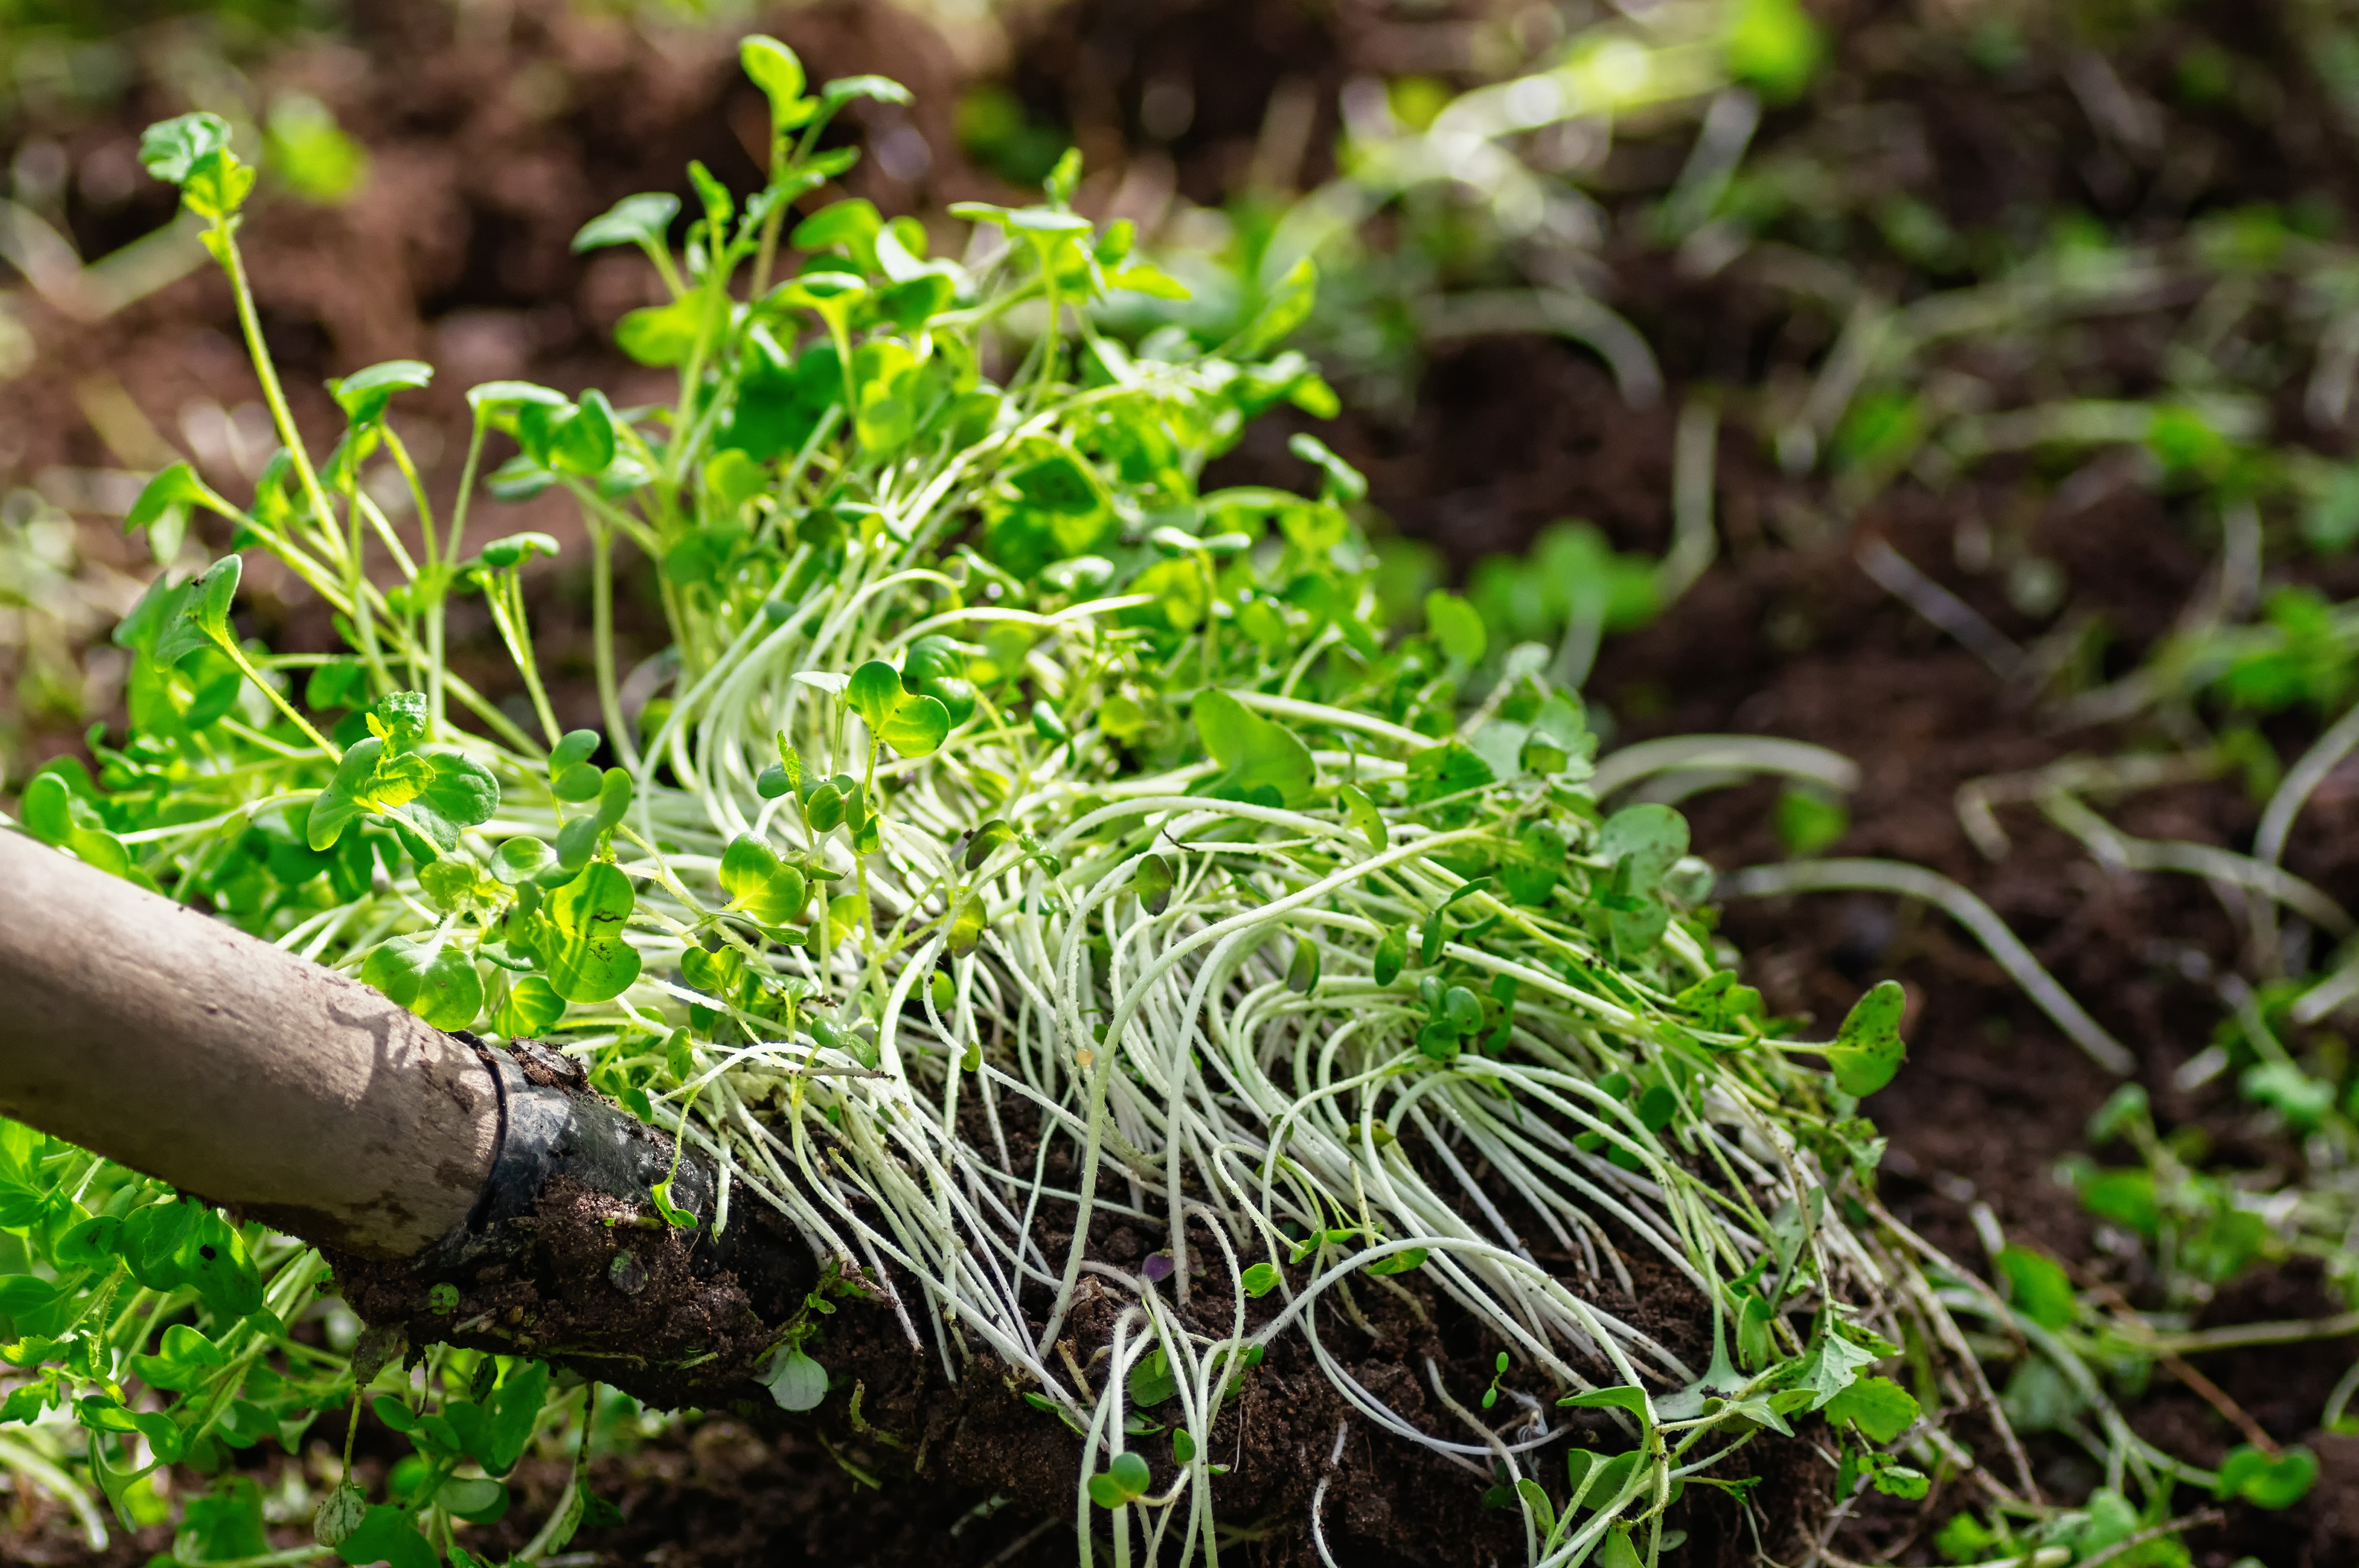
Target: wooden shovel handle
(165, 1039)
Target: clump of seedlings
(1016, 837)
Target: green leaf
(1339, 480)
(1392, 952)
(340, 802)
(388, 1535)
(778, 72)
(176, 487)
(473, 1499)
(493, 399)
(759, 884)
(514, 550)
(576, 784)
(2125, 1197)
(1260, 1279)
(214, 1260)
(796, 1381)
(458, 792)
(1616, 1550)
(1286, 308)
(531, 1007)
(1631, 1398)
(825, 293)
(1405, 1261)
(875, 693)
(2267, 1482)
(573, 749)
(823, 809)
(1649, 839)
(152, 1237)
(1130, 1474)
(986, 838)
(1255, 750)
(1830, 1366)
(853, 224)
(309, 153)
(49, 809)
(1809, 821)
(1152, 882)
(1456, 626)
(171, 149)
(1902, 1481)
(93, 1241)
(1151, 1382)
(1867, 1050)
(217, 186)
(642, 220)
(1774, 45)
(662, 335)
(54, 813)
(1536, 1500)
(1363, 815)
(1302, 974)
(2038, 1287)
(223, 1524)
(583, 443)
(747, 867)
(172, 621)
(720, 973)
(431, 975)
(614, 793)
(916, 727)
(882, 89)
(209, 604)
(364, 394)
(911, 724)
(588, 959)
(1877, 1406)
(509, 1414)
(1450, 769)
(1144, 277)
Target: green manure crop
(1002, 793)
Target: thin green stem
(238, 657)
(504, 595)
(602, 636)
(355, 568)
(250, 321)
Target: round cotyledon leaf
(873, 692)
(430, 976)
(916, 727)
(588, 959)
(1867, 1050)
(2267, 1481)
(796, 1381)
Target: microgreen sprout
(1002, 775)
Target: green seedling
(1000, 760)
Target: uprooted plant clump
(1179, 1014)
